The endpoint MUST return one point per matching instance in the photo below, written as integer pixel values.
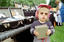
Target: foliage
(58, 36)
(62, 1)
(52, 3)
(39, 1)
(7, 3)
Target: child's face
(43, 14)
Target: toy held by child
(42, 15)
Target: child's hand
(36, 33)
(48, 32)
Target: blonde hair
(57, 1)
(45, 7)
(57, 8)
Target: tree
(52, 3)
(30, 2)
(39, 1)
(62, 1)
(7, 3)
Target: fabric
(52, 19)
(44, 5)
(36, 40)
(58, 12)
(59, 17)
(61, 6)
(55, 15)
(36, 23)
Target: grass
(58, 36)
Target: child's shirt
(36, 23)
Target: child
(59, 17)
(42, 15)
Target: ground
(8, 40)
(58, 36)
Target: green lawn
(58, 36)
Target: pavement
(8, 40)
